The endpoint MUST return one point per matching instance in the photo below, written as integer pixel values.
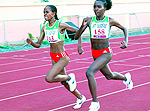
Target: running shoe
(95, 106)
(128, 82)
(79, 102)
(72, 82)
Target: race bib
(99, 30)
(51, 35)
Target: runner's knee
(89, 73)
(48, 79)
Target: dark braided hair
(53, 9)
(107, 3)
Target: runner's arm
(85, 24)
(117, 24)
(39, 42)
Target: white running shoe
(95, 106)
(79, 102)
(72, 82)
(128, 82)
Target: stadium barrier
(16, 31)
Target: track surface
(23, 86)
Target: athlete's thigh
(63, 71)
(106, 71)
(100, 62)
(59, 67)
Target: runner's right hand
(29, 40)
(86, 21)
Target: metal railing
(20, 29)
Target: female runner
(54, 32)
(99, 27)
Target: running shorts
(57, 56)
(97, 53)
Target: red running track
(23, 86)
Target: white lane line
(37, 77)
(108, 94)
(46, 52)
(21, 80)
(40, 91)
(69, 71)
(129, 65)
(25, 68)
(29, 93)
(146, 37)
(59, 86)
(26, 60)
(70, 61)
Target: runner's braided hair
(53, 9)
(107, 3)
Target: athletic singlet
(99, 29)
(52, 34)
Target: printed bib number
(51, 35)
(99, 33)
(99, 30)
(50, 39)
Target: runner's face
(99, 8)
(48, 14)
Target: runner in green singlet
(99, 27)
(54, 32)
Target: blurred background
(19, 18)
